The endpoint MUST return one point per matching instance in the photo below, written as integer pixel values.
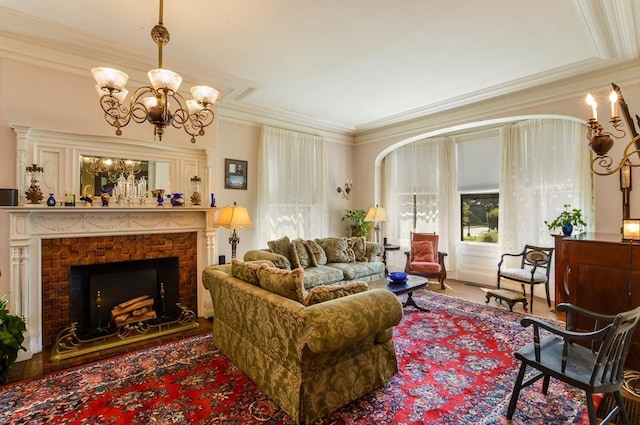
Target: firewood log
(131, 301)
(131, 307)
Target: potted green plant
(358, 226)
(567, 219)
(12, 330)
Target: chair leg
(545, 384)
(546, 287)
(623, 411)
(591, 410)
(531, 300)
(516, 392)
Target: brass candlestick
(33, 193)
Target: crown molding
(610, 28)
(571, 87)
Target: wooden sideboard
(599, 272)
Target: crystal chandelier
(601, 142)
(152, 103)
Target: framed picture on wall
(235, 174)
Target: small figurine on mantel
(88, 201)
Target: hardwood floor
(40, 364)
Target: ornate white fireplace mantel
(29, 225)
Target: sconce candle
(613, 97)
(594, 107)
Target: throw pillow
(300, 254)
(337, 250)
(281, 246)
(318, 257)
(322, 293)
(359, 246)
(287, 283)
(246, 271)
(423, 251)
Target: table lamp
(233, 217)
(378, 215)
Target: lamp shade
(376, 214)
(233, 217)
(164, 79)
(631, 229)
(204, 94)
(110, 78)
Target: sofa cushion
(359, 246)
(321, 275)
(423, 252)
(281, 246)
(246, 271)
(287, 283)
(300, 256)
(358, 270)
(318, 257)
(323, 293)
(337, 250)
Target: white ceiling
(356, 64)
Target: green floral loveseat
(309, 359)
(326, 260)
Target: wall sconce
(346, 192)
(631, 229)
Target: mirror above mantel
(70, 162)
(99, 174)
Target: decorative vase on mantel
(567, 230)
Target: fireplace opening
(105, 297)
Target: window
(478, 182)
(479, 217)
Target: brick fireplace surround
(58, 255)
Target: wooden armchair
(424, 259)
(535, 265)
(592, 361)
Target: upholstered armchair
(424, 259)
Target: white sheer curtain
(419, 192)
(292, 186)
(545, 164)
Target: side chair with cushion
(534, 270)
(424, 259)
(592, 361)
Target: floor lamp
(233, 217)
(378, 215)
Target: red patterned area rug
(456, 367)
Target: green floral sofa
(309, 359)
(326, 260)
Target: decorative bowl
(398, 276)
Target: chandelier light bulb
(150, 102)
(194, 107)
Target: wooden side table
(384, 255)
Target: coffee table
(413, 283)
